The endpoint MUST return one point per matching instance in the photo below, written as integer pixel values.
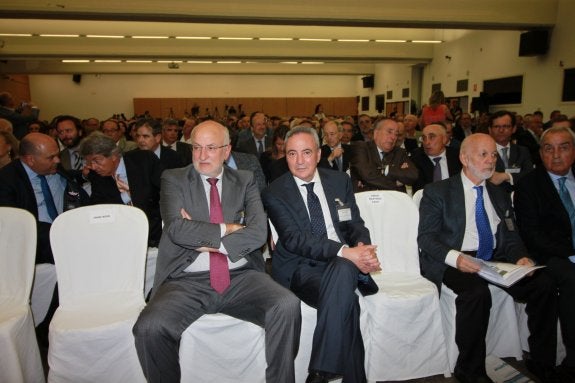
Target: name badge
(343, 211)
(513, 170)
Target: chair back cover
(17, 254)
(100, 252)
(392, 219)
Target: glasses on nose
(211, 149)
(98, 161)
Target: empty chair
(401, 324)
(19, 359)
(100, 255)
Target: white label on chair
(375, 199)
(102, 216)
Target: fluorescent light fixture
(107, 61)
(199, 62)
(193, 38)
(138, 61)
(16, 34)
(390, 41)
(106, 36)
(228, 62)
(312, 62)
(353, 40)
(314, 39)
(75, 61)
(288, 62)
(169, 61)
(235, 38)
(150, 37)
(276, 38)
(427, 41)
(51, 35)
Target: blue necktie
(568, 204)
(485, 249)
(437, 170)
(48, 199)
(315, 213)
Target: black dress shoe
(316, 377)
(462, 378)
(366, 285)
(566, 373)
(545, 374)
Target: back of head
(98, 143)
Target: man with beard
(462, 218)
(69, 131)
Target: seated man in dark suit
(546, 218)
(247, 161)
(132, 178)
(323, 254)
(513, 161)
(209, 261)
(336, 153)
(257, 139)
(379, 164)
(465, 215)
(149, 137)
(170, 131)
(529, 137)
(434, 160)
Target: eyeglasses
(502, 126)
(211, 149)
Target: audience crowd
(497, 186)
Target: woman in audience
(436, 111)
(8, 148)
(275, 153)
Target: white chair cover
(401, 324)
(19, 355)
(417, 197)
(42, 291)
(99, 253)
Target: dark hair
(151, 123)
(65, 117)
(499, 114)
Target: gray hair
(303, 130)
(558, 129)
(99, 143)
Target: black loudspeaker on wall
(77, 78)
(534, 43)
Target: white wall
(103, 95)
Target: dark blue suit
(441, 229)
(311, 268)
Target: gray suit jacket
(246, 161)
(442, 226)
(182, 188)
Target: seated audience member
(465, 215)
(149, 137)
(546, 218)
(336, 153)
(6, 126)
(529, 138)
(8, 148)
(404, 142)
(434, 160)
(451, 141)
(379, 164)
(189, 124)
(365, 132)
(112, 129)
(170, 131)
(322, 257)
(271, 156)
(206, 265)
(36, 126)
(246, 161)
(561, 121)
(70, 132)
(257, 139)
(131, 178)
(19, 116)
(346, 132)
(552, 117)
(513, 161)
(90, 125)
(464, 127)
(412, 130)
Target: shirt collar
(467, 183)
(301, 182)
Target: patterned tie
(568, 203)
(485, 249)
(219, 272)
(48, 199)
(77, 165)
(505, 157)
(437, 170)
(260, 147)
(315, 213)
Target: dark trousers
(337, 343)
(473, 303)
(252, 296)
(562, 271)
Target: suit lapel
(197, 204)
(330, 195)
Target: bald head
(40, 152)
(478, 155)
(210, 147)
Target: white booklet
(502, 273)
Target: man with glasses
(513, 160)
(209, 261)
(112, 129)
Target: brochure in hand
(502, 273)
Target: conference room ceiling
(245, 37)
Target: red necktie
(219, 273)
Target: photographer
(19, 116)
